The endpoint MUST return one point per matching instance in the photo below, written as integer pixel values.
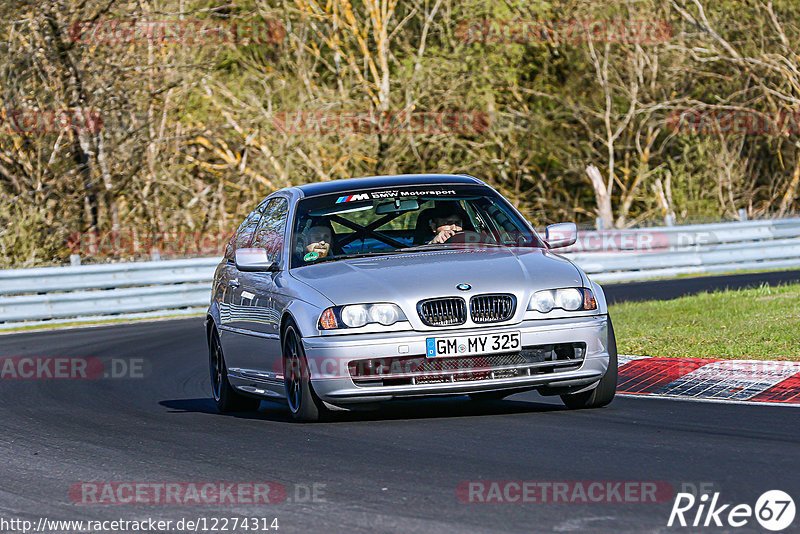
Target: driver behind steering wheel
(446, 222)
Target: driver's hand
(321, 247)
(445, 233)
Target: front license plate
(469, 345)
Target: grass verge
(760, 323)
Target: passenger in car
(319, 240)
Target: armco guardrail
(636, 254)
(174, 287)
(181, 287)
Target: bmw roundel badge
(464, 287)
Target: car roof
(373, 182)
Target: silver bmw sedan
(343, 294)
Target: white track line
(706, 400)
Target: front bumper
(328, 359)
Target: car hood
(414, 276)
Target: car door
(260, 318)
(231, 309)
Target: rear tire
(606, 389)
(304, 405)
(226, 398)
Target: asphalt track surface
(392, 470)
(679, 287)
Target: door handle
(233, 283)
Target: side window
(270, 233)
(244, 234)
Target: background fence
(182, 287)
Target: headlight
(385, 314)
(357, 315)
(569, 299)
(354, 316)
(544, 301)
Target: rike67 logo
(774, 510)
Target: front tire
(304, 404)
(606, 389)
(226, 398)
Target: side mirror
(254, 260)
(561, 235)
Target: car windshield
(402, 220)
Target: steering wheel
(465, 236)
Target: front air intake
(443, 312)
(491, 308)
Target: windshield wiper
(452, 246)
(352, 256)
(425, 246)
